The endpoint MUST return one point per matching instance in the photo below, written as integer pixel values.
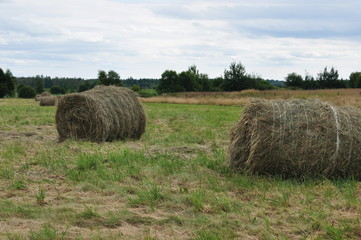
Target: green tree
(294, 80)
(200, 81)
(217, 84)
(27, 92)
(110, 78)
(48, 82)
(328, 79)
(188, 81)
(114, 78)
(355, 80)
(204, 82)
(192, 80)
(359, 81)
(11, 82)
(7, 84)
(102, 77)
(86, 86)
(169, 82)
(19, 87)
(235, 78)
(193, 69)
(263, 84)
(57, 90)
(39, 84)
(136, 88)
(83, 87)
(309, 82)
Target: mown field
(172, 184)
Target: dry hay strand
(297, 138)
(48, 101)
(104, 113)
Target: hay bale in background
(39, 96)
(48, 101)
(100, 114)
(46, 94)
(297, 138)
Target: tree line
(328, 78)
(69, 85)
(235, 78)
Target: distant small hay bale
(48, 101)
(100, 114)
(44, 94)
(297, 138)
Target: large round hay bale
(48, 101)
(297, 138)
(100, 114)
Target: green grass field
(172, 184)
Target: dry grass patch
(209, 100)
(337, 97)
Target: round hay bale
(297, 138)
(44, 94)
(48, 101)
(37, 97)
(104, 113)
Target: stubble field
(172, 184)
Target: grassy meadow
(172, 184)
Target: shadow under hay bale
(48, 101)
(297, 138)
(100, 114)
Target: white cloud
(144, 38)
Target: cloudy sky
(141, 39)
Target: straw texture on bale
(48, 101)
(297, 138)
(100, 114)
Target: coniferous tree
(7, 84)
(39, 84)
